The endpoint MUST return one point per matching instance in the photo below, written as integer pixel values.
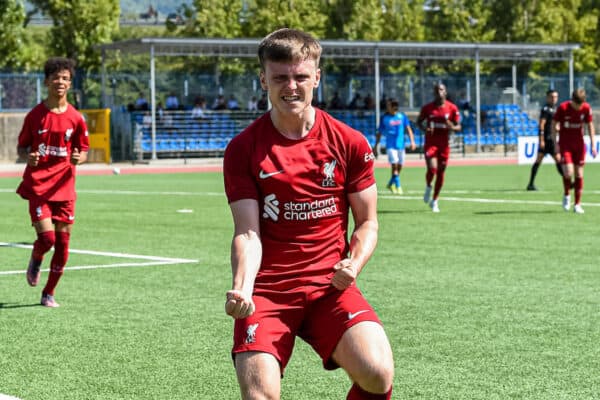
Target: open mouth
(291, 98)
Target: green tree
(458, 21)
(79, 25)
(211, 19)
(264, 16)
(12, 16)
(402, 20)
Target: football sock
(567, 185)
(42, 245)
(357, 393)
(397, 180)
(578, 189)
(58, 262)
(439, 182)
(559, 169)
(534, 170)
(431, 172)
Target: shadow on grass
(16, 305)
(515, 212)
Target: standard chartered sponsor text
(303, 211)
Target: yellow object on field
(98, 123)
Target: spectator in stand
(369, 103)
(219, 103)
(141, 104)
(356, 103)
(253, 104)
(232, 103)
(263, 103)
(336, 103)
(199, 109)
(569, 122)
(172, 102)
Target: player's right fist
(33, 158)
(237, 305)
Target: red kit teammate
(437, 119)
(291, 179)
(572, 116)
(54, 139)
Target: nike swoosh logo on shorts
(356, 314)
(264, 175)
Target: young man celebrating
(54, 139)
(291, 179)
(570, 119)
(393, 125)
(437, 119)
(546, 144)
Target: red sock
(42, 245)
(357, 393)
(431, 172)
(567, 185)
(439, 182)
(59, 260)
(578, 189)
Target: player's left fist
(75, 156)
(344, 275)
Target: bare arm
(363, 240)
(246, 254)
(592, 133)
(25, 154)
(78, 157)
(411, 136)
(555, 132)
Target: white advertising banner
(528, 149)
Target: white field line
(488, 201)
(151, 260)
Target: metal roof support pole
(422, 76)
(514, 83)
(153, 100)
(377, 94)
(571, 73)
(478, 100)
(103, 80)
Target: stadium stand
(179, 135)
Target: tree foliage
(79, 25)
(12, 17)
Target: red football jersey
(301, 187)
(572, 123)
(435, 117)
(53, 136)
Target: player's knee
(378, 378)
(46, 240)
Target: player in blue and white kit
(393, 125)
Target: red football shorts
(63, 211)
(572, 154)
(319, 316)
(441, 152)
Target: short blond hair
(288, 45)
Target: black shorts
(549, 147)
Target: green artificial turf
(496, 297)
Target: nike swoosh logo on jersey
(40, 131)
(356, 314)
(264, 175)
